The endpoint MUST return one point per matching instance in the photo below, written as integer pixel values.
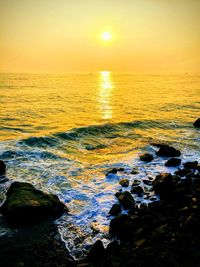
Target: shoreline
(162, 233)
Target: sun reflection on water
(106, 87)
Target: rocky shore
(162, 233)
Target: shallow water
(63, 132)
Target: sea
(64, 132)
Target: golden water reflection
(106, 88)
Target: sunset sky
(147, 36)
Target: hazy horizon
(148, 36)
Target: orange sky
(150, 36)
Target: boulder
(121, 225)
(97, 252)
(115, 210)
(134, 171)
(121, 169)
(146, 157)
(137, 190)
(25, 205)
(2, 167)
(182, 189)
(173, 162)
(113, 171)
(147, 182)
(136, 182)
(163, 184)
(126, 200)
(183, 172)
(197, 123)
(124, 182)
(190, 164)
(158, 145)
(168, 151)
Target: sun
(106, 36)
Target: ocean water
(63, 133)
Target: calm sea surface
(63, 132)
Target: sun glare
(106, 36)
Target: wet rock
(35, 245)
(158, 145)
(126, 200)
(173, 162)
(190, 164)
(96, 252)
(124, 182)
(163, 184)
(121, 169)
(135, 182)
(26, 205)
(197, 123)
(147, 182)
(134, 171)
(2, 167)
(182, 172)
(120, 225)
(113, 171)
(164, 230)
(160, 231)
(168, 151)
(182, 189)
(115, 210)
(146, 157)
(142, 209)
(112, 247)
(176, 178)
(137, 190)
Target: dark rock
(160, 231)
(112, 247)
(26, 205)
(146, 157)
(135, 182)
(168, 151)
(197, 123)
(163, 184)
(173, 162)
(181, 189)
(115, 210)
(147, 182)
(134, 171)
(96, 252)
(182, 172)
(190, 164)
(124, 182)
(137, 190)
(2, 167)
(121, 169)
(113, 171)
(126, 200)
(121, 224)
(36, 245)
(142, 209)
(176, 178)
